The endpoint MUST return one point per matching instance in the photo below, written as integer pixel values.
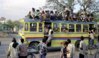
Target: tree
(10, 24)
(94, 7)
(60, 4)
(89, 5)
(16, 24)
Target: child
(64, 50)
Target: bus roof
(58, 21)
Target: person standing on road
(97, 47)
(22, 50)
(12, 50)
(82, 48)
(71, 48)
(43, 49)
(64, 50)
(50, 36)
(91, 36)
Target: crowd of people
(20, 50)
(17, 50)
(56, 15)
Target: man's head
(22, 40)
(49, 27)
(51, 12)
(38, 10)
(14, 40)
(82, 38)
(65, 43)
(68, 40)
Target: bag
(77, 43)
(81, 56)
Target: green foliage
(13, 24)
(85, 5)
(96, 16)
(9, 25)
(60, 4)
(1, 26)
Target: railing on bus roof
(58, 21)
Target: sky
(16, 9)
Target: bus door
(46, 26)
(46, 31)
(91, 27)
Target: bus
(33, 30)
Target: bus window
(63, 28)
(26, 26)
(78, 28)
(33, 27)
(91, 26)
(71, 27)
(56, 27)
(85, 28)
(47, 24)
(40, 27)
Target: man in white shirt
(12, 50)
(71, 48)
(91, 36)
(82, 48)
(50, 36)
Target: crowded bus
(56, 27)
(34, 30)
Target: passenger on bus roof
(29, 15)
(43, 16)
(52, 16)
(33, 13)
(37, 14)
